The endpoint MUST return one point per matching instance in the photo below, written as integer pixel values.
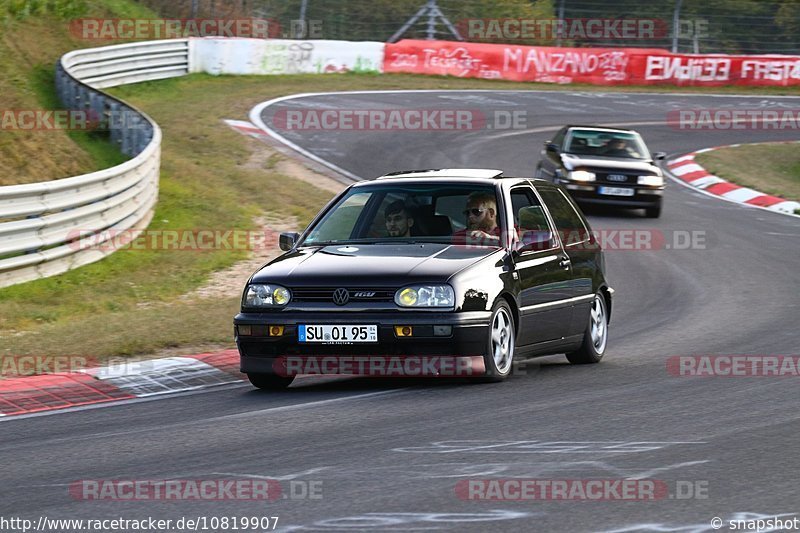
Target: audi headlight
(654, 181)
(261, 295)
(582, 175)
(425, 296)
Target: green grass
(34, 34)
(768, 168)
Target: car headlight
(655, 181)
(582, 175)
(262, 295)
(425, 296)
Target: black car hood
(370, 264)
(572, 162)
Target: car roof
(601, 128)
(485, 173)
(484, 176)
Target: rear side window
(567, 220)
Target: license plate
(337, 334)
(616, 191)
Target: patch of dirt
(266, 156)
(230, 281)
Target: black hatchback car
(604, 166)
(453, 266)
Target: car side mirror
(534, 241)
(658, 156)
(288, 240)
(550, 147)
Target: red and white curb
(140, 379)
(247, 128)
(687, 170)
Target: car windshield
(389, 213)
(607, 144)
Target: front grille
(631, 176)
(604, 178)
(357, 294)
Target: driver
(481, 214)
(617, 148)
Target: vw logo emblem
(341, 296)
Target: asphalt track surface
(390, 453)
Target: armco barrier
(598, 66)
(40, 222)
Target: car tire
(653, 212)
(595, 337)
(270, 381)
(500, 344)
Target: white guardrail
(39, 222)
(51, 227)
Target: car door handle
(565, 262)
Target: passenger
(398, 221)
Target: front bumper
(588, 192)
(259, 351)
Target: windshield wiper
(326, 243)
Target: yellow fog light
(408, 296)
(280, 296)
(403, 331)
(275, 331)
